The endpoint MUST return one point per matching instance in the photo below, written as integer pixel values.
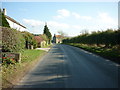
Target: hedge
(107, 38)
(12, 40)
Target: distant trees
(47, 33)
(107, 38)
(62, 34)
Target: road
(66, 66)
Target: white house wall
(16, 26)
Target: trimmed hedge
(108, 38)
(12, 40)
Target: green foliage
(34, 43)
(45, 38)
(3, 21)
(12, 40)
(29, 39)
(108, 38)
(110, 53)
(29, 58)
(47, 33)
(30, 55)
(7, 61)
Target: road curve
(66, 66)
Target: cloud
(36, 26)
(106, 21)
(76, 15)
(63, 13)
(33, 22)
(76, 26)
(36, 23)
(58, 25)
(87, 17)
(101, 21)
(104, 17)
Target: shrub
(108, 38)
(45, 38)
(29, 40)
(12, 40)
(7, 60)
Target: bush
(29, 40)
(12, 40)
(7, 60)
(108, 38)
(45, 38)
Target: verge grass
(109, 53)
(48, 46)
(12, 74)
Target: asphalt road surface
(66, 66)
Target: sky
(70, 17)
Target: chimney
(46, 23)
(4, 11)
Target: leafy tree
(62, 34)
(29, 39)
(47, 33)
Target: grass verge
(48, 46)
(108, 53)
(13, 73)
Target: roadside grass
(12, 74)
(108, 53)
(48, 46)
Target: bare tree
(63, 34)
(84, 31)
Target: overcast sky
(70, 17)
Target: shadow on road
(50, 73)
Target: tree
(47, 33)
(85, 31)
(29, 40)
(3, 21)
(63, 34)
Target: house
(13, 23)
(40, 41)
(57, 39)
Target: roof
(58, 36)
(38, 38)
(11, 19)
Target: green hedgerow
(12, 40)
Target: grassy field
(13, 73)
(109, 53)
